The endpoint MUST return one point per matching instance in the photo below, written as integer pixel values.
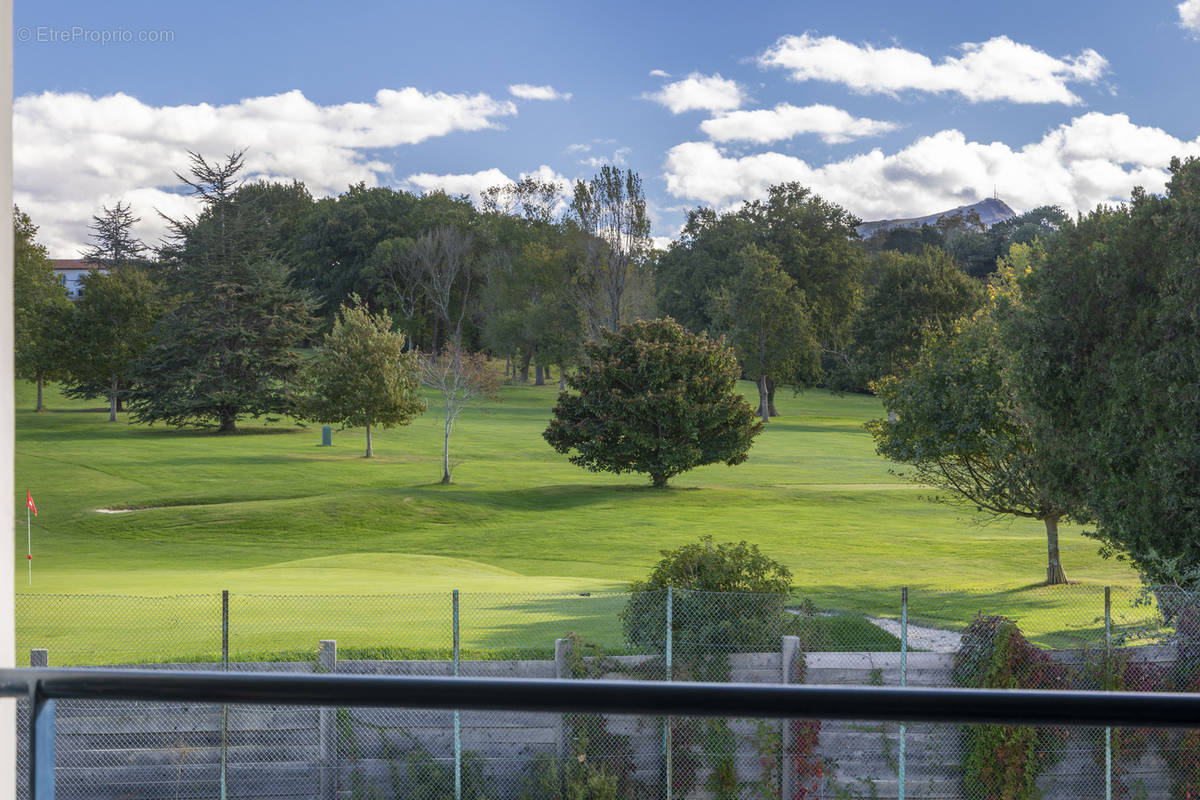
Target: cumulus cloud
(617, 158)
(472, 184)
(699, 92)
(73, 152)
(998, 69)
(1189, 15)
(526, 91)
(784, 121)
(1092, 159)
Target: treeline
(528, 276)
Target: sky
(888, 109)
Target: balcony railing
(43, 687)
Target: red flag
(29, 502)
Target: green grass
(521, 532)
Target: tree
(226, 349)
(813, 242)
(361, 375)
(768, 326)
(462, 378)
(110, 330)
(447, 273)
(113, 244)
(1108, 363)
(653, 398)
(953, 418)
(610, 212)
(40, 309)
(908, 296)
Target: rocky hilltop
(990, 211)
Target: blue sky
(889, 109)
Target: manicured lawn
(269, 512)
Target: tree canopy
(1108, 364)
(656, 399)
(360, 375)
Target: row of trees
(1074, 392)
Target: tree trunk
(658, 480)
(112, 402)
(507, 365)
(549, 377)
(562, 378)
(228, 423)
(539, 377)
(369, 451)
(525, 359)
(446, 452)
(40, 405)
(1054, 569)
(771, 398)
(764, 409)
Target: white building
(71, 271)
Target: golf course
(536, 546)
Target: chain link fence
(1073, 636)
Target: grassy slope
(268, 511)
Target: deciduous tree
(360, 375)
(110, 329)
(462, 378)
(40, 309)
(954, 419)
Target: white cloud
(1092, 159)
(472, 184)
(578, 148)
(617, 159)
(699, 92)
(527, 91)
(659, 73)
(998, 69)
(765, 125)
(1189, 15)
(74, 152)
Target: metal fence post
(224, 708)
(41, 746)
(903, 682)
(1107, 666)
(667, 737)
(457, 721)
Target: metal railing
(43, 687)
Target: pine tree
(225, 351)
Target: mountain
(991, 211)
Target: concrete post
(790, 650)
(327, 726)
(562, 671)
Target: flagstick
(29, 543)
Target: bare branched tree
(445, 258)
(462, 378)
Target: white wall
(8, 708)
